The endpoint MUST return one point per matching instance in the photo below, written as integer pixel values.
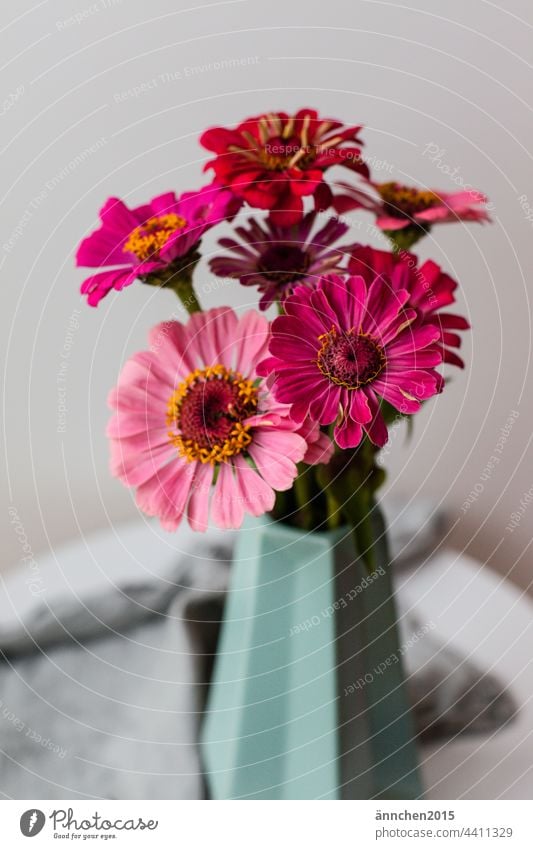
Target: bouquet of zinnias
(224, 414)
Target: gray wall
(109, 98)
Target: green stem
(178, 277)
(334, 510)
(403, 240)
(303, 493)
(184, 289)
(353, 486)
(363, 529)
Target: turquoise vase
(307, 699)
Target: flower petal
(227, 510)
(256, 495)
(198, 507)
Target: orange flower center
(147, 240)
(205, 414)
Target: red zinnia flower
(430, 289)
(272, 161)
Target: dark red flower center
(404, 202)
(350, 359)
(206, 414)
(283, 263)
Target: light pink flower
(397, 206)
(195, 429)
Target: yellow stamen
(239, 436)
(148, 239)
(403, 199)
(305, 130)
(288, 129)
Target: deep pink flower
(192, 410)
(272, 161)
(339, 349)
(396, 206)
(430, 289)
(149, 239)
(276, 259)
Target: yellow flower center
(147, 240)
(205, 414)
(402, 201)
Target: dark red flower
(429, 287)
(274, 160)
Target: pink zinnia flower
(151, 239)
(272, 161)
(275, 258)
(339, 349)
(397, 206)
(430, 289)
(192, 412)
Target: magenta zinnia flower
(275, 258)
(149, 239)
(397, 206)
(274, 160)
(430, 289)
(339, 349)
(192, 412)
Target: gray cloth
(102, 697)
(114, 687)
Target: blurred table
(485, 618)
(488, 620)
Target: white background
(457, 75)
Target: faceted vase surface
(307, 699)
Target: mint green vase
(307, 699)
